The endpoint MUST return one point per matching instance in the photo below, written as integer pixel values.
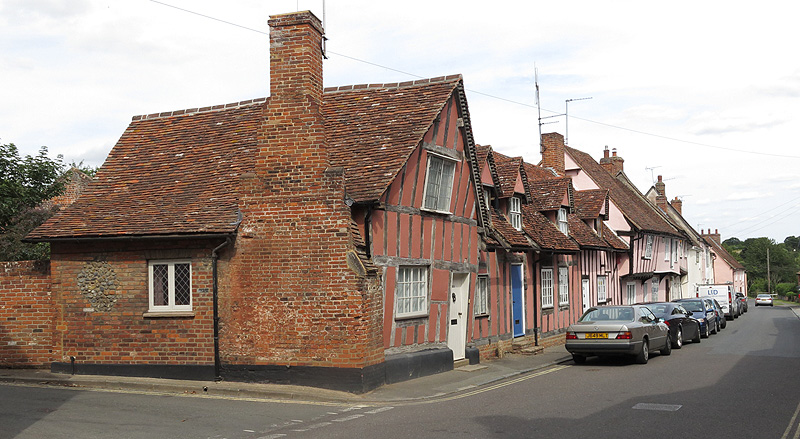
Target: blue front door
(516, 296)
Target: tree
(792, 243)
(24, 184)
(782, 264)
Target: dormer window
(487, 197)
(562, 221)
(439, 184)
(515, 213)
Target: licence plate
(596, 335)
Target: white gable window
(481, 306)
(170, 285)
(412, 291)
(667, 251)
(648, 248)
(487, 198)
(601, 288)
(563, 285)
(439, 184)
(563, 225)
(654, 289)
(515, 213)
(547, 287)
(630, 289)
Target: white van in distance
(725, 296)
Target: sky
(706, 94)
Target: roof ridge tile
(198, 110)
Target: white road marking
(657, 407)
(791, 425)
(379, 410)
(349, 418)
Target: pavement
(461, 380)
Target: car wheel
(715, 329)
(705, 331)
(678, 343)
(644, 354)
(696, 338)
(578, 359)
(724, 324)
(667, 349)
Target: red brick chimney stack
(712, 236)
(661, 196)
(613, 164)
(553, 152)
(677, 204)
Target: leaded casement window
(667, 251)
(648, 247)
(654, 289)
(676, 244)
(547, 287)
(412, 291)
(630, 289)
(170, 285)
(439, 183)
(515, 213)
(563, 285)
(601, 288)
(563, 225)
(481, 306)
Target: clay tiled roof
(545, 233)
(508, 233)
(589, 203)
(171, 174)
(550, 194)
(372, 130)
(508, 169)
(637, 210)
(536, 173)
(177, 173)
(584, 235)
(612, 239)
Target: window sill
(438, 212)
(411, 316)
(167, 314)
(480, 316)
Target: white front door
(457, 330)
(586, 295)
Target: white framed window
(648, 247)
(601, 288)
(439, 183)
(547, 287)
(630, 289)
(563, 285)
(654, 289)
(515, 213)
(563, 225)
(667, 251)
(412, 291)
(675, 246)
(487, 198)
(170, 285)
(481, 306)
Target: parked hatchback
(742, 301)
(682, 325)
(702, 312)
(618, 330)
(764, 300)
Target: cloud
(748, 195)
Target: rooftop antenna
(566, 113)
(652, 176)
(539, 109)
(324, 29)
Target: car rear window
(617, 314)
(694, 306)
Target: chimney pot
(605, 152)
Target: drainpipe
(215, 300)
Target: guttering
(215, 301)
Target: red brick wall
(123, 334)
(290, 297)
(26, 314)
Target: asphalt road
(741, 383)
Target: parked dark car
(682, 325)
(722, 322)
(742, 301)
(618, 330)
(703, 312)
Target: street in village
(740, 383)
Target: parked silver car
(618, 330)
